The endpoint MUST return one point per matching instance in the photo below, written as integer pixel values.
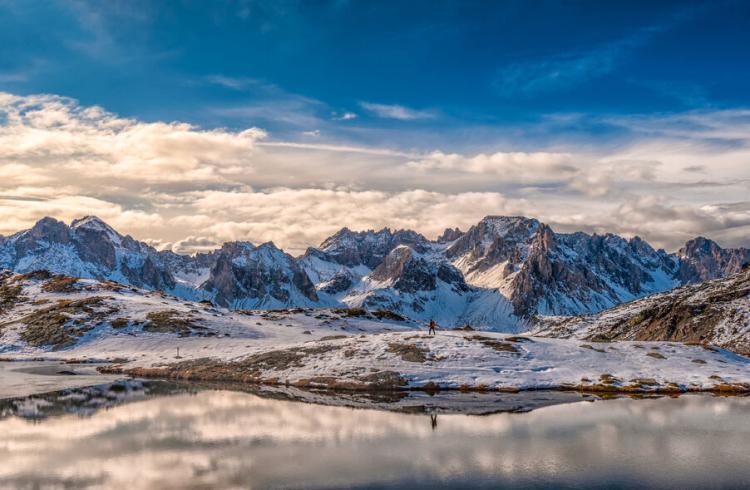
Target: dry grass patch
(59, 325)
(409, 352)
(350, 312)
(608, 379)
(387, 315)
(11, 293)
(495, 344)
(170, 321)
(591, 347)
(60, 284)
(645, 381)
(120, 323)
(517, 338)
(248, 370)
(655, 355)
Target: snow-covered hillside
(714, 312)
(148, 333)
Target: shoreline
(342, 386)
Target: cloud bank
(188, 188)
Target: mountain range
(501, 273)
(715, 312)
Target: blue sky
(454, 67)
(628, 117)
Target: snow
(19, 379)
(453, 358)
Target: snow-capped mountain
(542, 272)
(500, 273)
(87, 248)
(714, 312)
(702, 259)
(245, 276)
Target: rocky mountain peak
(49, 229)
(449, 235)
(702, 259)
(92, 223)
(409, 272)
(367, 248)
(246, 276)
(698, 247)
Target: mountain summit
(500, 273)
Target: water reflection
(228, 439)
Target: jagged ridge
(500, 273)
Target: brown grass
(60, 324)
(170, 321)
(495, 344)
(591, 347)
(387, 315)
(60, 284)
(409, 352)
(120, 322)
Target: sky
(187, 124)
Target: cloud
(346, 116)
(193, 244)
(189, 188)
(394, 111)
(54, 134)
(234, 83)
(570, 69)
(506, 164)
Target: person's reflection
(433, 420)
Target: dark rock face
(579, 268)
(493, 240)
(535, 269)
(410, 274)
(558, 273)
(367, 248)
(87, 248)
(260, 275)
(339, 283)
(449, 235)
(713, 312)
(702, 259)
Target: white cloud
(395, 111)
(346, 116)
(572, 68)
(189, 188)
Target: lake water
(172, 436)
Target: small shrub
(120, 322)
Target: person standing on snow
(433, 326)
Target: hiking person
(433, 326)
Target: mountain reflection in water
(230, 439)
